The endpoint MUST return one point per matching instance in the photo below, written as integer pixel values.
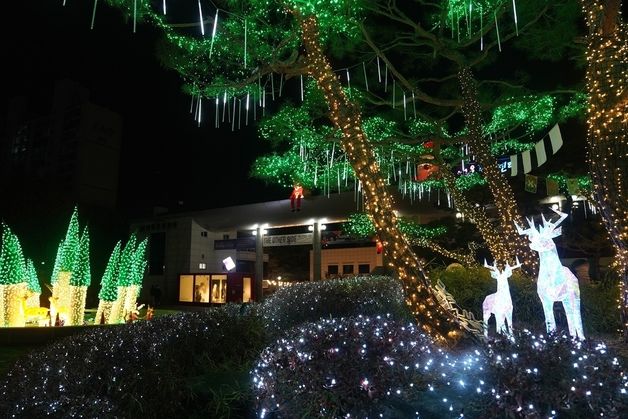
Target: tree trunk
(508, 243)
(607, 119)
(439, 322)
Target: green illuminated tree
(31, 274)
(108, 293)
(57, 264)
(13, 280)
(12, 266)
(81, 271)
(234, 69)
(360, 226)
(108, 283)
(71, 244)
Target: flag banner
(573, 187)
(552, 187)
(528, 160)
(531, 183)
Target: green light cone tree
(607, 119)
(136, 276)
(60, 301)
(123, 281)
(13, 279)
(108, 287)
(33, 285)
(80, 281)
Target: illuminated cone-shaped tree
(13, 279)
(108, 286)
(136, 276)
(80, 280)
(607, 120)
(123, 281)
(68, 254)
(34, 287)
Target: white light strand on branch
(514, 9)
(94, 14)
(499, 42)
(200, 15)
(134, 16)
(245, 41)
(211, 44)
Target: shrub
(129, 370)
(310, 301)
(554, 375)
(362, 367)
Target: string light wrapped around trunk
(437, 321)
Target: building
(194, 248)
(69, 155)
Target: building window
(225, 237)
(347, 269)
(203, 234)
(202, 265)
(332, 269)
(364, 268)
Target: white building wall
(348, 256)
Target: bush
(471, 285)
(310, 301)
(362, 367)
(130, 370)
(554, 375)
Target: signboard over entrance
(288, 239)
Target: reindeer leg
(503, 329)
(509, 319)
(574, 320)
(548, 309)
(485, 318)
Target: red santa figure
(295, 197)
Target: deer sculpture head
(505, 273)
(542, 239)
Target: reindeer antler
(560, 220)
(530, 230)
(492, 268)
(516, 265)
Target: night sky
(165, 158)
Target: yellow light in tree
(607, 120)
(443, 324)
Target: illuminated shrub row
(375, 367)
(308, 301)
(541, 376)
(137, 370)
(362, 367)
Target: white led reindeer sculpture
(555, 281)
(499, 303)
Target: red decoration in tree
(295, 197)
(425, 170)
